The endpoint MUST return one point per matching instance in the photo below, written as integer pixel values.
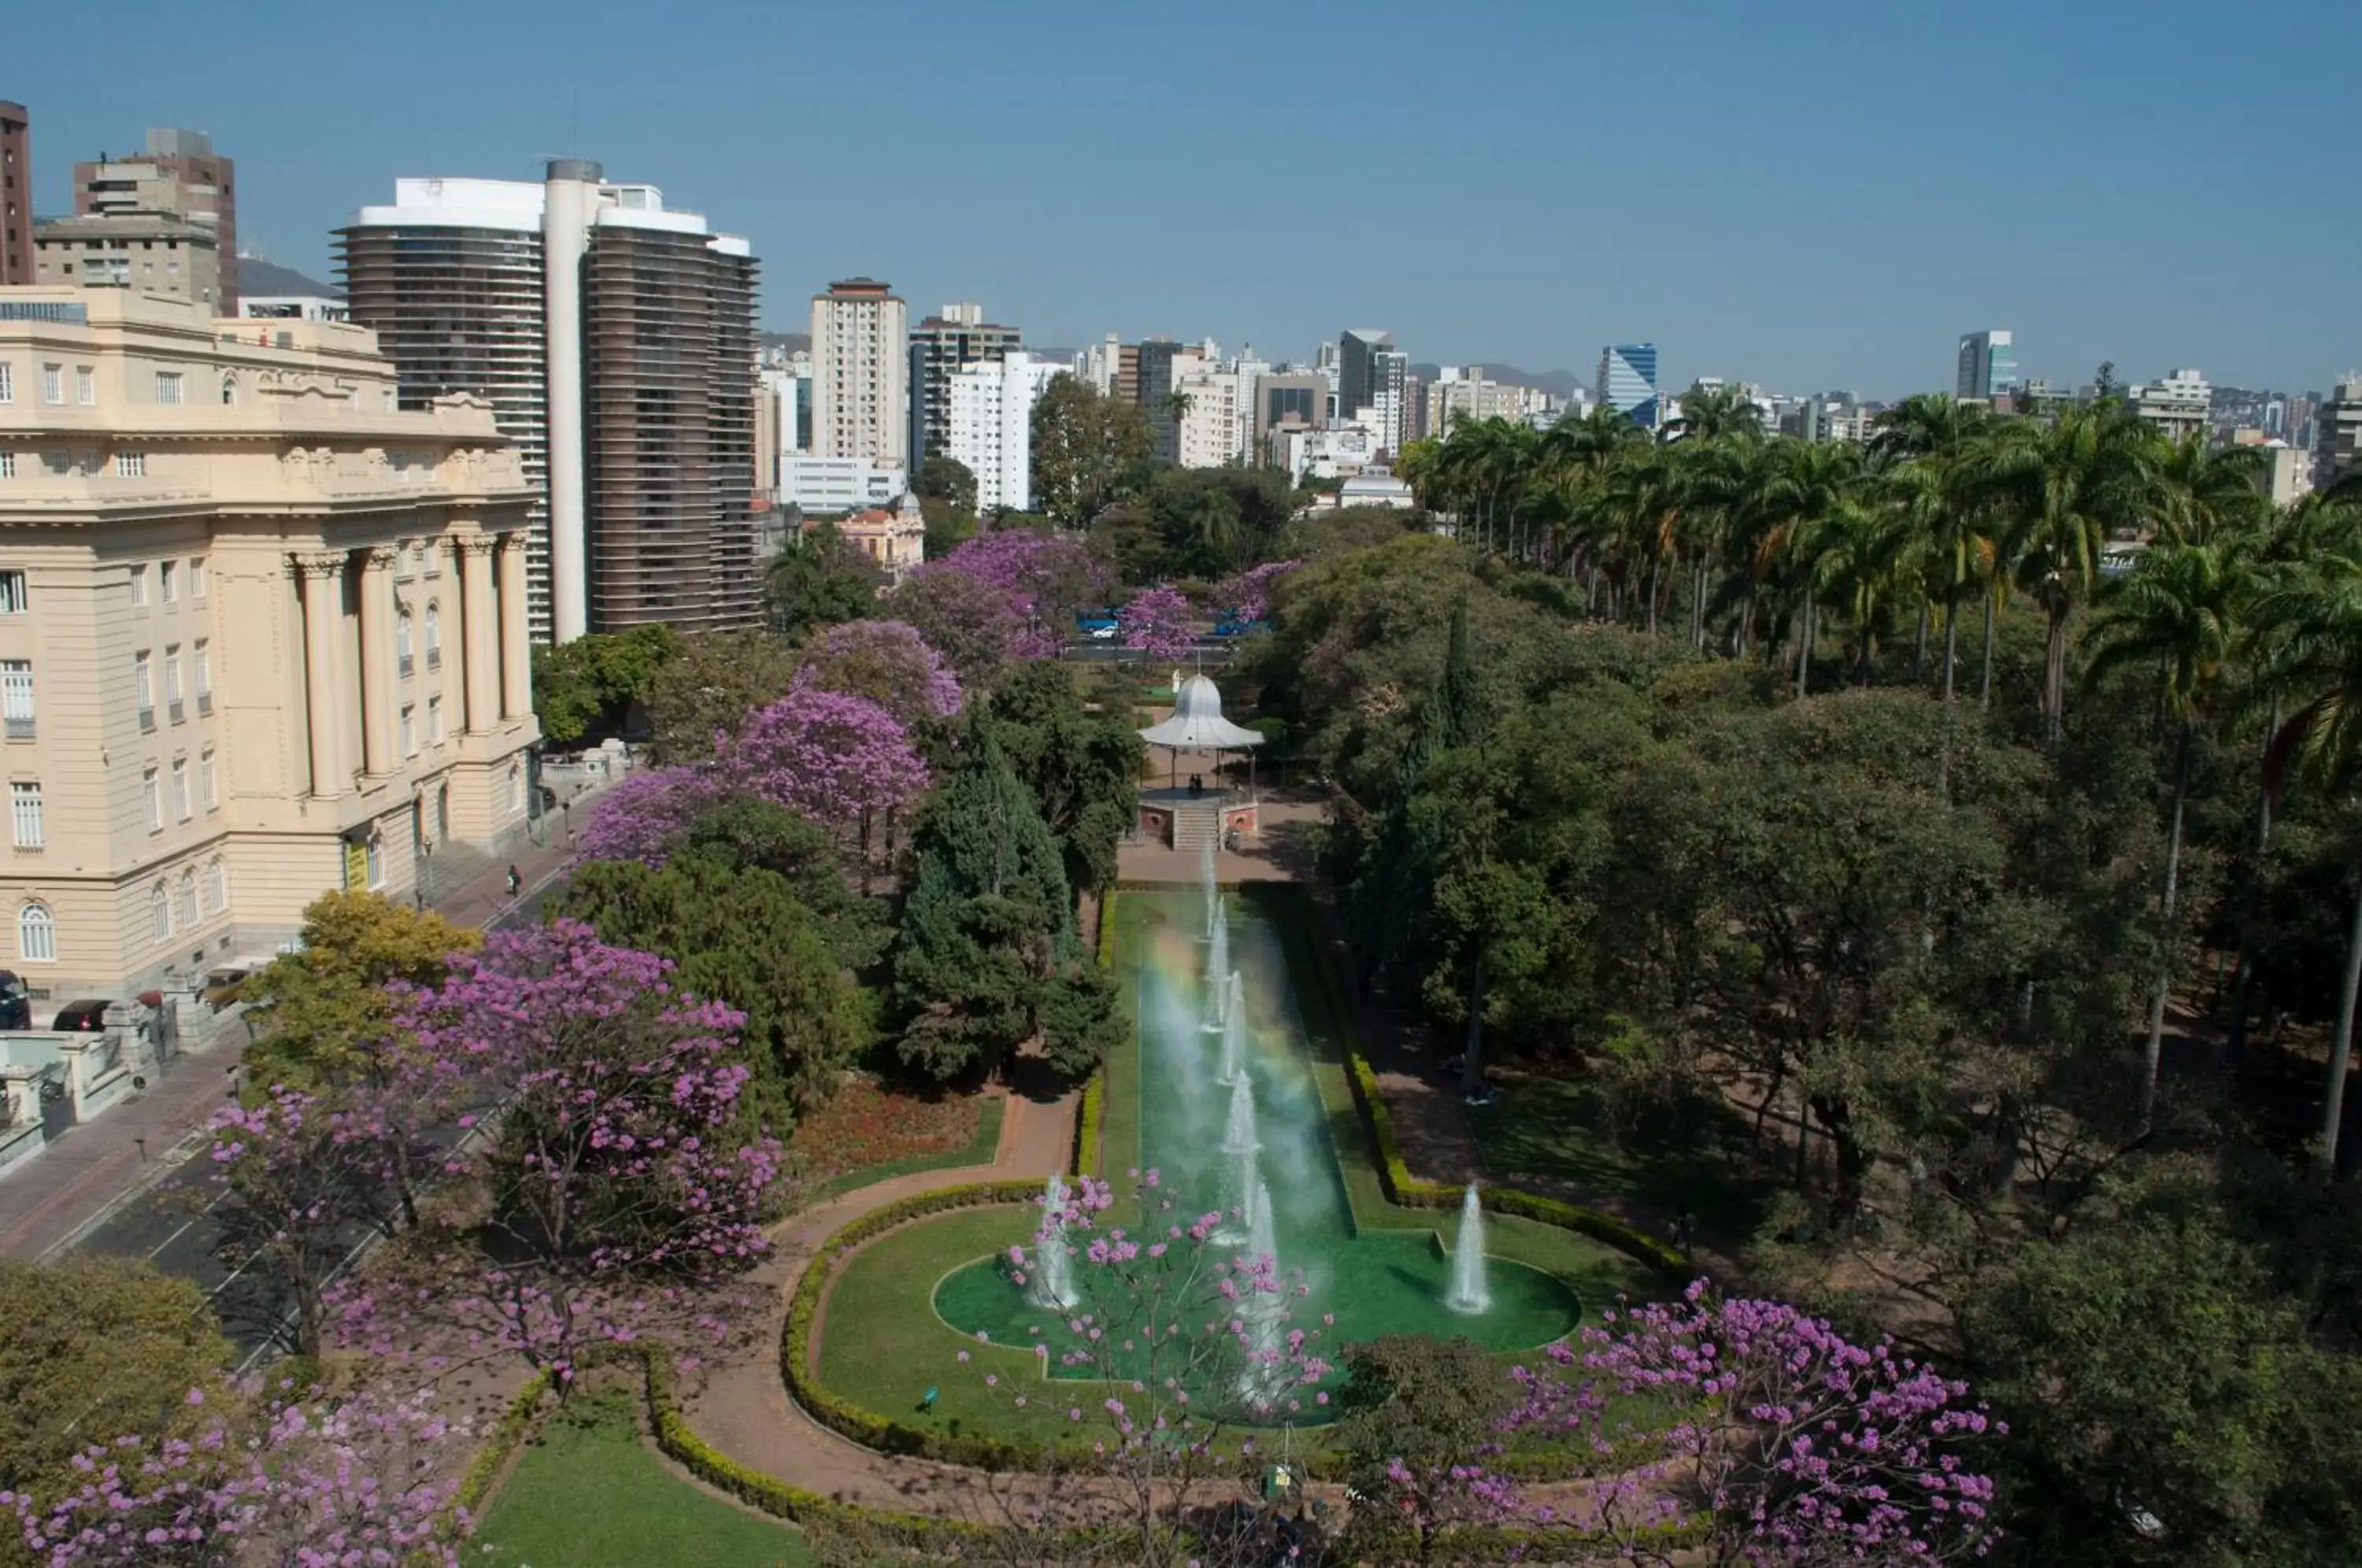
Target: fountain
(1213, 888)
(1052, 1284)
(1234, 1031)
(1468, 1294)
(1262, 1242)
(1218, 965)
(1239, 1142)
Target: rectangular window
(168, 386)
(130, 465)
(181, 787)
(435, 720)
(86, 386)
(143, 679)
(7, 383)
(205, 657)
(139, 585)
(13, 597)
(206, 780)
(17, 697)
(7, 465)
(167, 581)
(172, 681)
(375, 862)
(196, 577)
(152, 800)
(24, 814)
(53, 383)
(409, 730)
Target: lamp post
(425, 873)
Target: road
(174, 1224)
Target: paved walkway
(60, 1194)
(742, 1407)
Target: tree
(1089, 448)
(741, 936)
(818, 580)
(1415, 1418)
(1045, 578)
(839, 759)
(582, 689)
(1155, 624)
(282, 1481)
(1787, 1442)
(615, 1196)
(641, 816)
(970, 621)
(96, 1344)
(746, 835)
(891, 664)
(2177, 615)
(946, 479)
(1081, 768)
(320, 1012)
(987, 958)
(706, 691)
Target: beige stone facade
(261, 635)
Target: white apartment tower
(989, 428)
(860, 349)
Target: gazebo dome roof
(1198, 724)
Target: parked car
(15, 1002)
(223, 983)
(87, 1016)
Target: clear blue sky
(1808, 195)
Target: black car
(85, 1017)
(15, 1002)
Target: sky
(1806, 194)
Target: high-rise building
(157, 253)
(940, 345)
(1302, 397)
(16, 195)
(262, 634)
(2177, 405)
(615, 340)
(1212, 432)
(1357, 371)
(179, 175)
(2337, 431)
(860, 347)
(1988, 365)
(989, 426)
(1627, 382)
(1390, 396)
(1462, 393)
(1152, 390)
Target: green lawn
(1697, 1157)
(587, 1494)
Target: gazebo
(1184, 817)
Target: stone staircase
(1196, 823)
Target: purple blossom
(887, 662)
(1045, 579)
(1156, 622)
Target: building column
(479, 647)
(516, 647)
(377, 663)
(323, 587)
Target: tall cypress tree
(988, 957)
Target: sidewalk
(57, 1195)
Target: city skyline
(1799, 210)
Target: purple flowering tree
(1155, 623)
(616, 1201)
(887, 662)
(971, 623)
(277, 1482)
(1247, 596)
(1786, 1443)
(638, 817)
(1175, 1336)
(841, 761)
(1046, 578)
(307, 1183)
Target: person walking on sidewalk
(516, 881)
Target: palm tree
(2179, 613)
(2203, 493)
(1712, 413)
(2065, 489)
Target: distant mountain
(1061, 355)
(1558, 383)
(793, 342)
(256, 276)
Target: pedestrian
(1682, 1228)
(516, 881)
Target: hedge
(1088, 1122)
(509, 1432)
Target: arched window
(216, 887)
(188, 912)
(516, 787)
(401, 639)
(443, 814)
(37, 934)
(229, 389)
(159, 913)
(433, 635)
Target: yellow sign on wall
(356, 866)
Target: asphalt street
(176, 1223)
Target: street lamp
(425, 873)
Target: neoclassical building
(262, 634)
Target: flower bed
(867, 1124)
